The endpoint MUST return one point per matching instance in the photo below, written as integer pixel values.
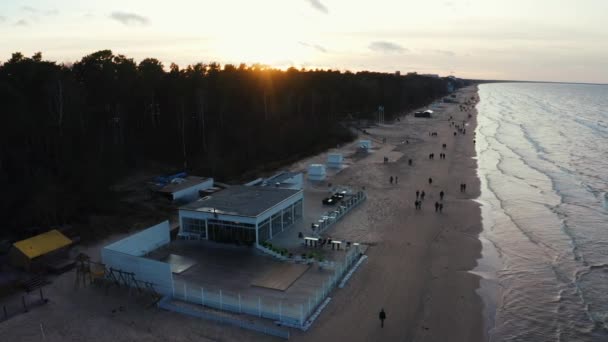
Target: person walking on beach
(440, 207)
(441, 195)
(418, 193)
(430, 181)
(382, 316)
(391, 179)
(436, 206)
(422, 195)
(409, 162)
(396, 180)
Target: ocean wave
(542, 163)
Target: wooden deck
(280, 277)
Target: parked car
(329, 201)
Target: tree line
(71, 131)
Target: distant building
(283, 179)
(241, 214)
(185, 189)
(31, 253)
(425, 114)
(335, 160)
(430, 75)
(365, 145)
(316, 172)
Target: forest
(71, 131)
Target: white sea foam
(542, 152)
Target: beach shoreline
(420, 265)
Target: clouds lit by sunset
(489, 39)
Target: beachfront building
(316, 172)
(335, 160)
(283, 179)
(39, 251)
(185, 189)
(241, 214)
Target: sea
(542, 151)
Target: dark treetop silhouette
(69, 132)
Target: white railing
(300, 315)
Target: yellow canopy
(41, 244)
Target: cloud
(444, 52)
(386, 47)
(22, 22)
(316, 4)
(314, 46)
(2, 19)
(129, 19)
(37, 11)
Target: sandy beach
(418, 264)
(417, 270)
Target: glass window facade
(276, 224)
(194, 226)
(264, 231)
(231, 232)
(297, 210)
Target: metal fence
(167, 305)
(290, 313)
(343, 208)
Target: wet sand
(418, 264)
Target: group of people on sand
(396, 179)
(420, 198)
(432, 156)
(420, 194)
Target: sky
(538, 40)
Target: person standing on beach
(422, 195)
(396, 179)
(441, 195)
(391, 179)
(430, 181)
(440, 207)
(418, 193)
(436, 206)
(382, 316)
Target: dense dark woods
(69, 132)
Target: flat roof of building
(187, 182)
(279, 178)
(42, 244)
(240, 200)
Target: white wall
(191, 193)
(143, 242)
(126, 255)
(156, 272)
